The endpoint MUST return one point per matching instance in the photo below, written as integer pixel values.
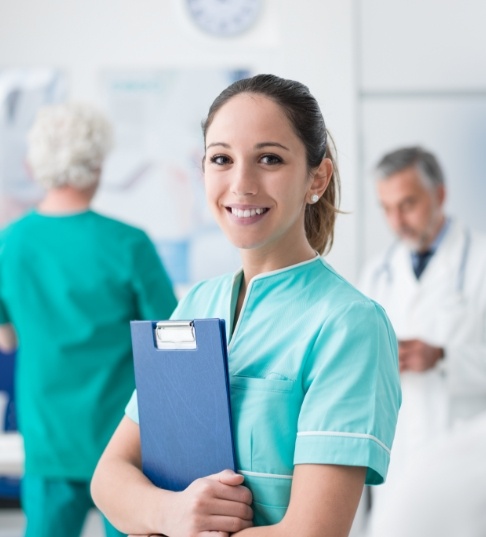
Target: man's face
(412, 207)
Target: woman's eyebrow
(271, 144)
(222, 144)
(260, 145)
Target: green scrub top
(70, 286)
(314, 376)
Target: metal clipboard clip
(175, 335)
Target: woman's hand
(214, 506)
(218, 503)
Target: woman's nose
(244, 181)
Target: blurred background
(386, 73)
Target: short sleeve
(352, 392)
(153, 288)
(131, 410)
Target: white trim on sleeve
(352, 435)
(260, 474)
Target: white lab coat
(446, 308)
(443, 493)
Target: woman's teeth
(246, 213)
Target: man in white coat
(432, 283)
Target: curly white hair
(67, 145)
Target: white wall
(423, 81)
(85, 37)
(385, 73)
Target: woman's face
(256, 176)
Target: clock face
(224, 17)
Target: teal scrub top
(70, 285)
(314, 376)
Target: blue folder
(181, 375)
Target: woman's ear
(321, 178)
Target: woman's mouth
(247, 213)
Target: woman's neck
(258, 262)
(65, 200)
(255, 263)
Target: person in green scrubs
(71, 280)
(313, 363)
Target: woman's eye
(271, 159)
(221, 160)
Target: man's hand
(416, 355)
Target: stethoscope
(385, 269)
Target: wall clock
(224, 18)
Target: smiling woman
(312, 362)
(264, 173)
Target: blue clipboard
(181, 375)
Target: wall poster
(22, 93)
(153, 177)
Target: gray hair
(67, 145)
(407, 157)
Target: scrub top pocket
(265, 414)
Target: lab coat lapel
(441, 272)
(403, 294)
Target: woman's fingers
(230, 524)
(217, 503)
(227, 508)
(205, 491)
(228, 477)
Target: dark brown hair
(305, 117)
